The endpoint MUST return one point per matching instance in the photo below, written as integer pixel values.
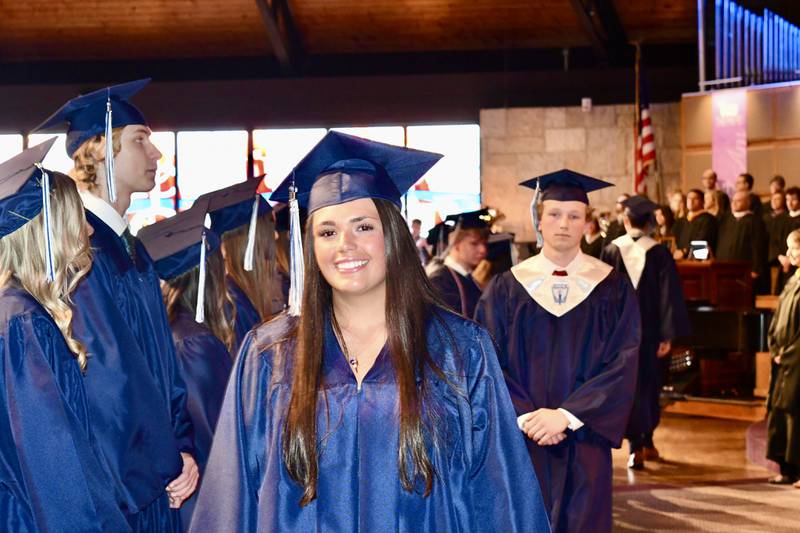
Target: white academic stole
(634, 255)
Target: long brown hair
(407, 315)
(261, 284)
(180, 293)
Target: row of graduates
(367, 406)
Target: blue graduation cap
(639, 206)
(98, 113)
(479, 219)
(24, 193)
(564, 186)
(342, 167)
(235, 206)
(339, 169)
(180, 243)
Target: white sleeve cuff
(574, 423)
(521, 419)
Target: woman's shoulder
(16, 303)
(454, 341)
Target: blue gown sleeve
(228, 499)
(504, 492)
(491, 313)
(46, 445)
(604, 401)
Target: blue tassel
(296, 265)
(535, 216)
(199, 311)
(48, 227)
(112, 189)
(249, 251)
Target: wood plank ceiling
(77, 30)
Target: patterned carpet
(743, 506)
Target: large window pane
(10, 145)
(277, 151)
(149, 207)
(209, 160)
(453, 185)
(57, 158)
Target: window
(10, 145)
(209, 160)
(277, 151)
(57, 158)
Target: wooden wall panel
(697, 121)
(761, 164)
(760, 123)
(787, 121)
(694, 163)
(787, 163)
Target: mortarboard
(564, 186)
(342, 168)
(180, 243)
(24, 193)
(98, 113)
(472, 219)
(640, 206)
(235, 206)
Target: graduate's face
(135, 164)
(349, 247)
(471, 249)
(563, 224)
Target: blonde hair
(261, 284)
(87, 157)
(794, 236)
(22, 258)
(180, 293)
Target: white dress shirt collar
(105, 212)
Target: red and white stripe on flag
(645, 150)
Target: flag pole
(636, 120)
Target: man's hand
(678, 254)
(183, 486)
(664, 348)
(545, 426)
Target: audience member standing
(743, 237)
(699, 226)
(744, 182)
(777, 185)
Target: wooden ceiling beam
(603, 26)
(283, 35)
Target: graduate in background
(567, 328)
(743, 237)
(783, 420)
(375, 409)
(452, 278)
(243, 219)
(50, 475)
(137, 400)
(592, 242)
(654, 276)
(196, 297)
(615, 227)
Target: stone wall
(521, 143)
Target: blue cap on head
(175, 243)
(566, 185)
(232, 207)
(640, 206)
(21, 181)
(85, 115)
(342, 168)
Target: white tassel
(535, 216)
(296, 265)
(249, 251)
(112, 189)
(48, 227)
(199, 312)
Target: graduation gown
(461, 293)
(703, 227)
(745, 239)
(137, 400)
(584, 361)
(593, 248)
(615, 229)
(663, 317)
(484, 481)
(205, 366)
(51, 478)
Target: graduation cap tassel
(48, 228)
(199, 312)
(296, 265)
(249, 251)
(112, 190)
(535, 215)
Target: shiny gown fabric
(137, 400)
(205, 366)
(585, 362)
(50, 476)
(484, 480)
(247, 316)
(664, 317)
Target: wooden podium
(721, 284)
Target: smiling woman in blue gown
(376, 409)
(50, 479)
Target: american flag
(645, 143)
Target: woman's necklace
(351, 359)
